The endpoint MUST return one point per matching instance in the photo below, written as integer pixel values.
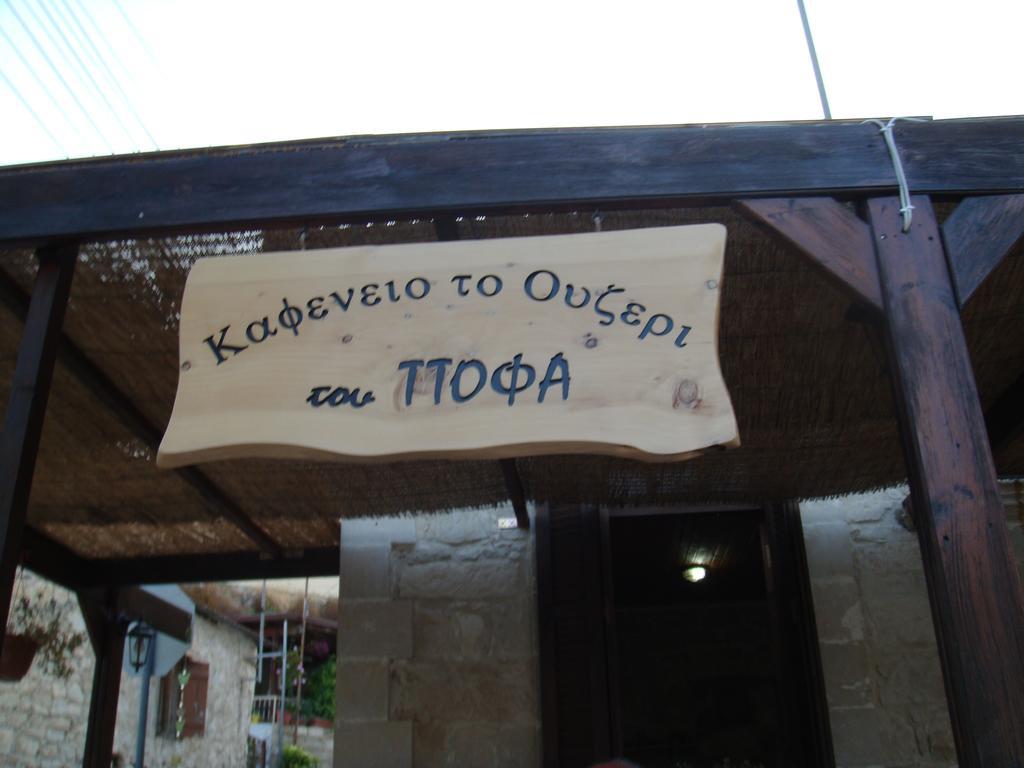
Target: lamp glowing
(695, 573)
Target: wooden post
(976, 597)
(26, 406)
(107, 632)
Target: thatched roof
(806, 374)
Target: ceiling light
(695, 573)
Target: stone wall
(437, 643)
(231, 654)
(438, 651)
(884, 683)
(319, 742)
(42, 718)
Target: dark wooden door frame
(793, 606)
(799, 652)
(573, 636)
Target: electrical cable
(99, 33)
(82, 35)
(60, 77)
(32, 112)
(814, 60)
(39, 82)
(86, 72)
(135, 30)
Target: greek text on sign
(594, 343)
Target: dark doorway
(679, 638)
(696, 657)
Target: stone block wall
(319, 742)
(43, 718)
(437, 643)
(887, 703)
(231, 654)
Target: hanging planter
(16, 656)
(38, 627)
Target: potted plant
(38, 627)
(16, 656)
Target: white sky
(212, 72)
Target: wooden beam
(26, 407)
(123, 409)
(830, 235)
(793, 608)
(1004, 423)
(107, 633)
(978, 234)
(546, 632)
(497, 172)
(135, 604)
(514, 484)
(975, 590)
(52, 560)
(220, 566)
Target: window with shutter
(167, 705)
(193, 700)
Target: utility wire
(814, 60)
(60, 77)
(87, 72)
(135, 30)
(38, 119)
(66, 62)
(42, 86)
(82, 35)
(99, 33)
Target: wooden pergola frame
(788, 177)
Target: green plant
(321, 689)
(44, 622)
(295, 669)
(179, 725)
(296, 757)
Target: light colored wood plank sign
(595, 343)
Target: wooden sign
(594, 343)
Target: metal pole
(140, 732)
(284, 687)
(814, 60)
(302, 658)
(259, 654)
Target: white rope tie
(906, 208)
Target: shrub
(321, 689)
(296, 757)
